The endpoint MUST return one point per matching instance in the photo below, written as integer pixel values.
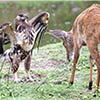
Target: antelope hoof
(90, 86)
(71, 82)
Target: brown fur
(68, 43)
(67, 39)
(87, 28)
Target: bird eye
(21, 15)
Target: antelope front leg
(76, 56)
(27, 64)
(67, 51)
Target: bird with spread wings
(23, 39)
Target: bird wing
(7, 29)
(39, 23)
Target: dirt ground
(45, 64)
(48, 64)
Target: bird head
(21, 17)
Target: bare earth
(44, 64)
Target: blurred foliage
(62, 13)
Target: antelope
(23, 42)
(86, 28)
(67, 39)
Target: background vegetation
(49, 68)
(62, 13)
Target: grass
(53, 82)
